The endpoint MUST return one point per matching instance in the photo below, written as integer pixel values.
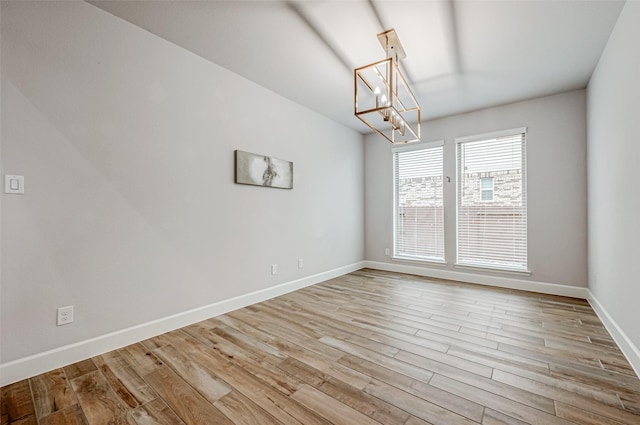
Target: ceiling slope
(461, 55)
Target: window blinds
(492, 231)
(419, 207)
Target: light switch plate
(13, 184)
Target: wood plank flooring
(367, 348)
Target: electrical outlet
(300, 263)
(274, 269)
(387, 251)
(65, 315)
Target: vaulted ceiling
(461, 55)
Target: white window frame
(479, 137)
(395, 213)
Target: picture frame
(262, 170)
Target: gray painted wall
(130, 213)
(614, 174)
(556, 180)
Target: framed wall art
(262, 170)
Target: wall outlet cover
(65, 315)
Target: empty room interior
(320, 212)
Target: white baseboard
(499, 281)
(628, 348)
(43, 362)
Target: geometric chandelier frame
(382, 97)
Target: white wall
(130, 213)
(614, 177)
(556, 180)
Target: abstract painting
(261, 170)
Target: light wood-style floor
(367, 348)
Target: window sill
(494, 269)
(419, 260)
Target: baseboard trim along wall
(628, 348)
(499, 281)
(43, 362)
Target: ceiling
(461, 55)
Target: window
(419, 207)
(492, 201)
(486, 189)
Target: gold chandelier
(383, 99)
